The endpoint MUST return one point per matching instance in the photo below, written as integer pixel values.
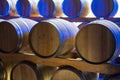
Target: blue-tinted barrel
(75, 8)
(23, 8)
(4, 8)
(112, 77)
(104, 8)
(46, 8)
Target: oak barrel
(104, 8)
(26, 70)
(7, 7)
(71, 73)
(75, 8)
(26, 8)
(53, 37)
(46, 8)
(14, 34)
(98, 42)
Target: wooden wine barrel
(53, 37)
(27, 70)
(104, 8)
(3, 74)
(75, 8)
(70, 73)
(26, 8)
(46, 8)
(14, 34)
(7, 7)
(98, 41)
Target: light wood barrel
(14, 34)
(3, 74)
(26, 70)
(53, 37)
(71, 73)
(98, 41)
(7, 7)
(26, 8)
(75, 8)
(104, 8)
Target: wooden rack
(11, 59)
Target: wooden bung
(75, 8)
(53, 37)
(14, 34)
(98, 41)
(104, 8)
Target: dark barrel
(53, 37)
(75, 8)
(98, 42)
(104, 8)
(14, 34)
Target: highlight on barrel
(25, 70)
(75, 8)
(7, 7)
(3, 74)
(46, 8)
(14, 34)
(98, 42)
(26, 8)
(53, 37)
(71, 73)
(104, 8)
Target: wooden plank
(81, 65)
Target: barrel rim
(30, 44)
(91, 62)
(72, 16)
(72, 69)
(32, 65)
(44, 15)
(19, 12)
(18, 38)
(112, 13)
(8, 6)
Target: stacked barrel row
(53, 8)
(95, 42)
(26, 70)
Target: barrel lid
(68, 73)
(72, 8)
(8, 37)
(46, 8)
(104, 8)
(23, 8)
(4, 8)
(95, 43)
(44, 39)
(25, 70)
